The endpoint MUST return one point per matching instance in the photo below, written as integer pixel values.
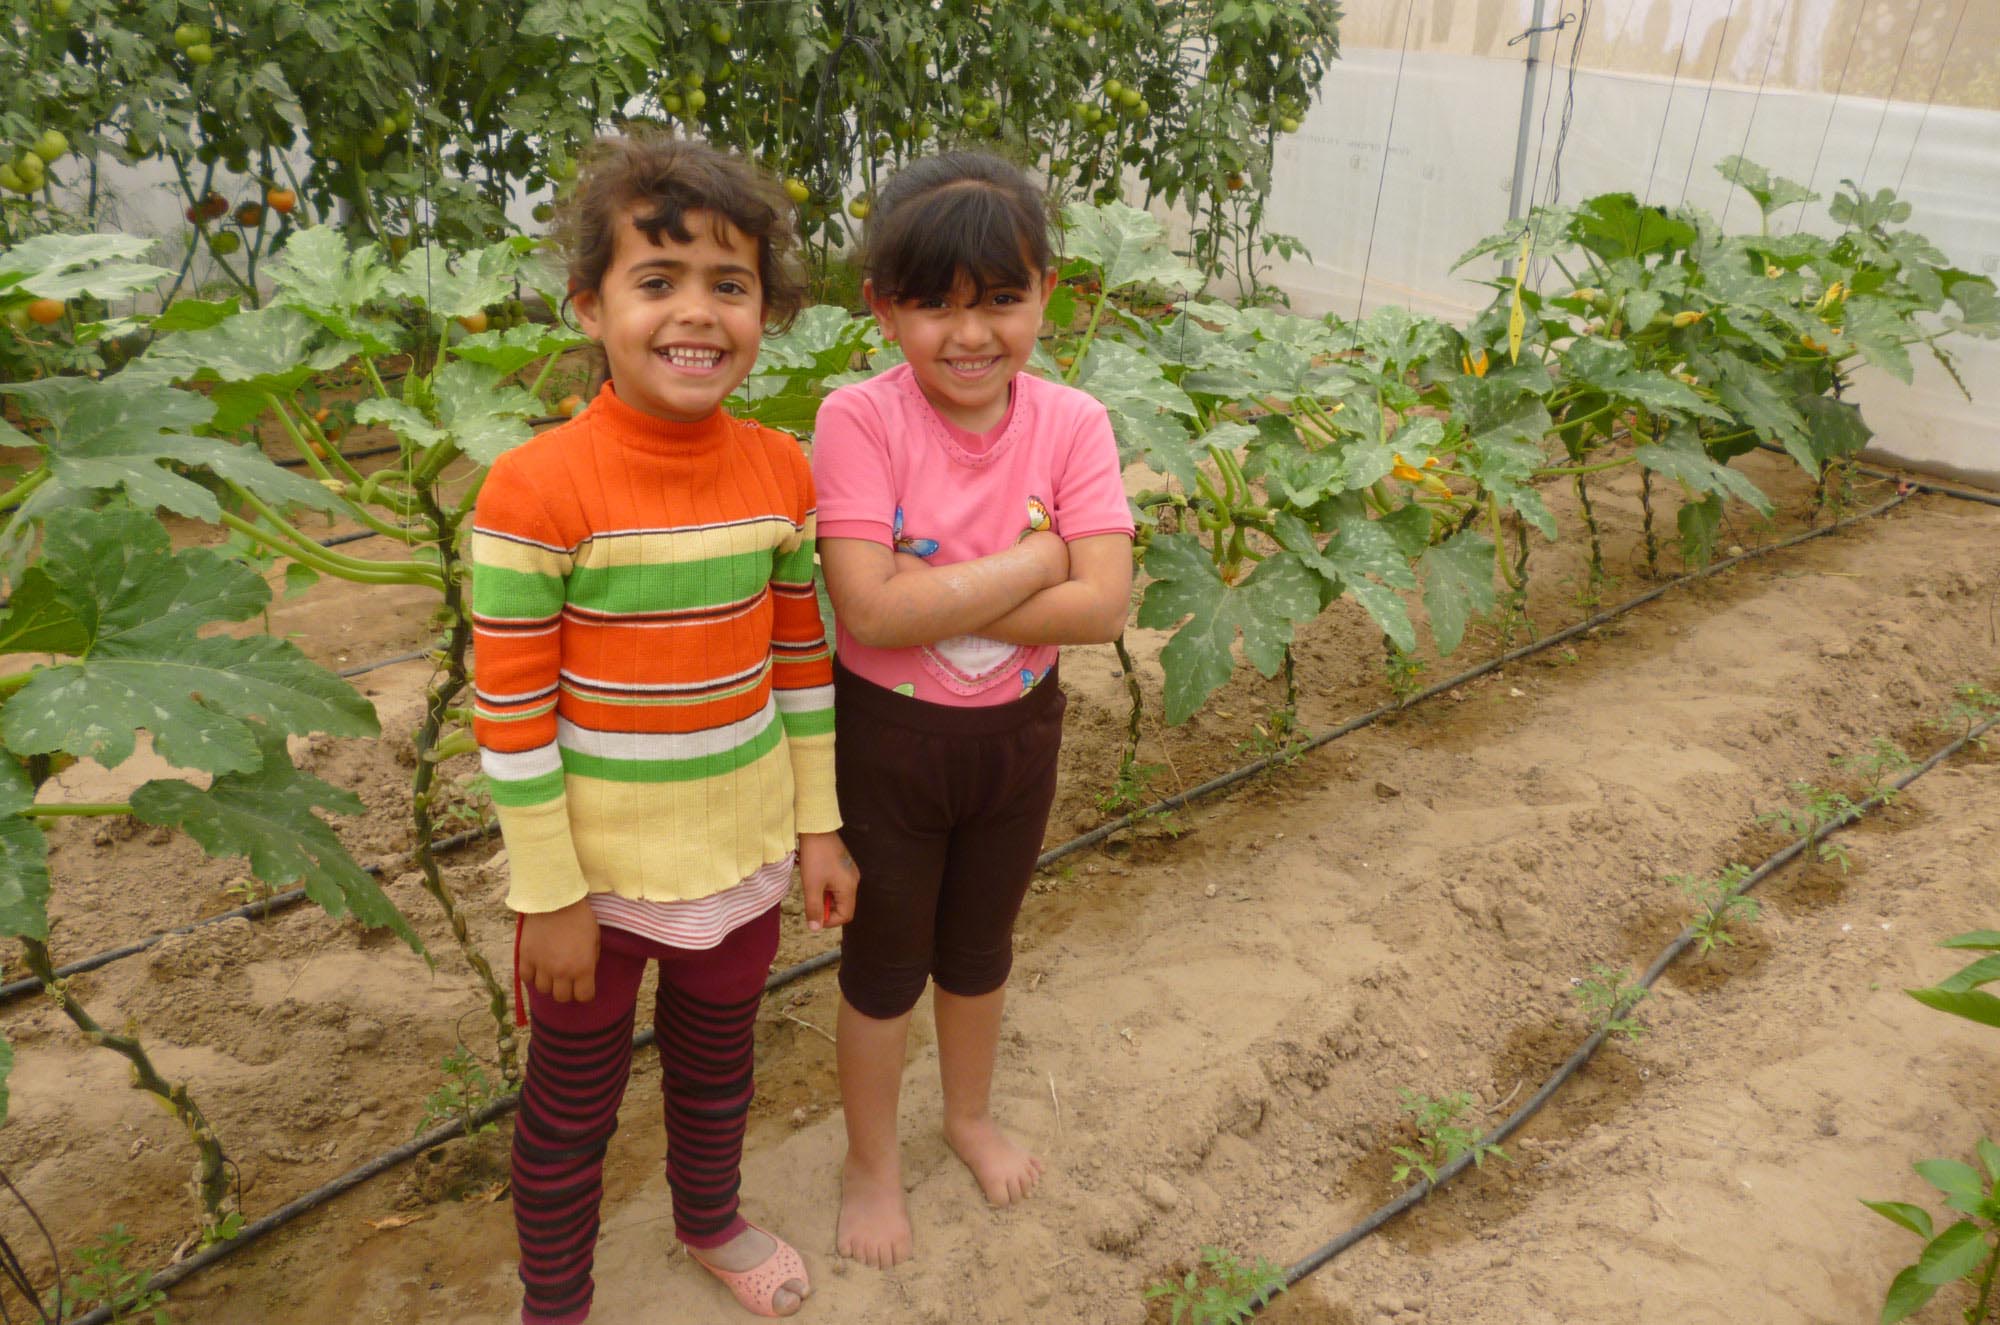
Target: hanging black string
(1742, 151)
(1889, 99)
(1673, 85)
(1932, 98)
(1695, 151)
(1541, 141)
(1569, 106)
(1382, 178)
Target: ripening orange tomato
(47, 311)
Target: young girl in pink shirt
(971, 520)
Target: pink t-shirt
(890, 470)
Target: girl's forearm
(1074, 612)
(920, 607)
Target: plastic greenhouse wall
(1901, 94)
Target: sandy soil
(1207, 1031)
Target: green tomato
(797, 190)
(1141, 109)
(31, 170)
(374, 144)
(59, 8)
(405, 117)
(386, 125)
(858, 209)
(225, 242)
(692, 78)
(1128, 97)
(696, 99)
(1112, 87)
(10, 180)
(671, 102)
(1287, 124)
(189, 35)
(725, 71)
(543, 212)
(201, 54)
(51, 146)
(719, 34)
(18, 318)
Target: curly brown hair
(662, 180)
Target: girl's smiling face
(966, 346)
(680, 322)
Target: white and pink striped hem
(703, 922)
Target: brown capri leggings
(943, 809)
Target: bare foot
(746, 1251)
(874, 1225)
(1006, 1172)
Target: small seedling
(250, 889)
(1971, 706)
(1220, 1291)
(1607, 996)
(1277, 736)
(467, 1090)
(1819, 810)
(1440, 1139)
(104, 1281)
(474, 807)
(1883, 760)
(1404, 673)
(1133, 788)
(1717, 905)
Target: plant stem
(1138, 698)
(1646, 505)
(75, 810)
(211, 1179)
(20, 492)
(1590, 522)
(1580, 470)
(444, 691)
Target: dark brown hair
(960, 214)
(664, 179)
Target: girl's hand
(559, 952)
(830, 877)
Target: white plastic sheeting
(1658, 134)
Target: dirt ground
(1210, 1019)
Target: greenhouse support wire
(506, 1104)
(1330, 1250)
(292, 897)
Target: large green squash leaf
(1126, 245)
(266, 815)
(1263, 607)
(1458, 585)
(110, 584)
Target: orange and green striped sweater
(653, 687)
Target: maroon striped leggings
(578, 1059)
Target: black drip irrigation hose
(1328, 1251)
(1921, 485)
(506, 1104)
(257, 910)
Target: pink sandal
(757, 1287)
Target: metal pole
(1514, 192)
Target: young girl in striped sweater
(654, 707)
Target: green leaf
(1951, 1176)
(455, 284)
(1359, 553)
(278, 349)
(1907, 1295)
(1681, 457)
(1772, 192)
(1913, 1217)
(1458, 585)
(1989, 1155)
(1973, 1005)
(24, 878)
(1126, 245)
(1607, 365)
(1952, 1254)
(124, 433)
(142, 664)
(267, 816)
(1750, 394)
(1835, 427)
(1145, 408)
(824, 340)
(195, 314)
(317, 272)
(484, 417)
(1877, 331)
(56, 266)
(38, 620)
(1617, 225)
(1980, 939)
(1984, 971)
(1263, 607)
(1700, 524)
(1504, 468)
